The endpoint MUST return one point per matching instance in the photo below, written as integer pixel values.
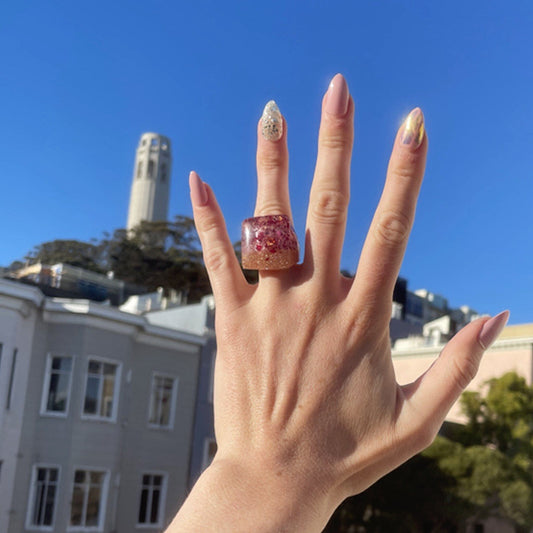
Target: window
(150, 169)
(88, 498)
(43, 493)
(11, 379)
(57, 383)
(139, 169)
(162, 400)
(101, 390)
(163, 172)
(152, 496)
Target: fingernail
(492, 329)
(272, 122)
(413, 128)
(198, 191)
(337, 96)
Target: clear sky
(80, 82)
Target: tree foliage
(485, 469)
(154, 254)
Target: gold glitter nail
(272, 122)
(413, 129)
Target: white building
(150, 186)
(96, 415)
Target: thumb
(433, 394)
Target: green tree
(160, 254)
(76, 253)
(152, 255)
(484, 468)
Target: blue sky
(80, 82)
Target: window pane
(106, 408)
(109, 370)
(143, 506)
(58, 392)
(95, 367)
(62, 363)
(38, 504)
(161, 400)
(91, 396)
(76, 507)
(155, 507)
(93, 506)
(79, 476)
(96, 478)
(157, 480)
(49, 509)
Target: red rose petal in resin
(268, 243)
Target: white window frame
(31, 497)
(175, 379)
(46, 386)
(103, 500)
(116, 392)
(162, 500)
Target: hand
(307, 408)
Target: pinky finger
(227, 280)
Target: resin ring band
(268, 243)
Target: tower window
(150, 169)
(164, 145)
(153, 142)
(164, 172)
(139, 169)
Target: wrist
(245, 496)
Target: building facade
(150, 186)
(96, 416)
(198, 319)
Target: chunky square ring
(268, 243)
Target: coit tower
(151, 180)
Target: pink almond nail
(492, 329)
(337, 96)
(198, 191)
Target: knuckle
(329, 206)
(216, 259)
(270, 207)
(424, 436)
(271, 160)
(421, 434)
(464, 371)
(393, 228)
(336, 141)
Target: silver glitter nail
(272, 122)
